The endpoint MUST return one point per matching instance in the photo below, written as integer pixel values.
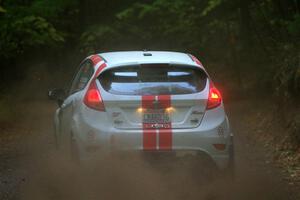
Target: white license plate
(156, 117)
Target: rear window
(153, 80)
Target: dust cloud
(53, 176)
(48, 175)
(115, 177)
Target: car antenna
(146, 53)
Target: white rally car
(146, 101)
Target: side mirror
(57, 95)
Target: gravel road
(30, 169)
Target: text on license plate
(156, 118)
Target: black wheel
(231, 165)
(229, 172)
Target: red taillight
(214, 97)
(92, 98)
(220, 147)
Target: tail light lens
(214, 97)
(220, 147)
(92, 98)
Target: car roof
(144, 57)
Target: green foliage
(162, 24)
(212, 4)
(2, 10)
(96, 37)
(27, 32)
(52, 8)
(247, 36)
(32, 24)
(294, 26)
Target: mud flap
(231, 164)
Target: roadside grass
(280, 137)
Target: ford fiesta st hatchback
(145, 101)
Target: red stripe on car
(101, 67)
(95, 59)
(149, 133)
(165, 133)
(196, 60)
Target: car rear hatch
(154, 95)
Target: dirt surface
(31, 169)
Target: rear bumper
(96, 153)
(94, 141)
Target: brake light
(214, 97)
(220, 147)
(92, 98)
